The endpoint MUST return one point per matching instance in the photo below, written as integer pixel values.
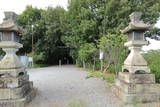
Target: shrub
(153, 59)
(87, 55)
(115, 52)
(37, 58)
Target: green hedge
(153, 59)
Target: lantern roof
(136, 24)
(9, 23)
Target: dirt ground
(67, 86)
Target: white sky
(154, 45)
(18, 6)
(158, 24)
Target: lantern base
(137, 88)
(15, 88)
(18, 102)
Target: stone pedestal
(137, 88)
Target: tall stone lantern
(15, 88)
(135, 61)
(135, 83)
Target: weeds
(77, 103)
(107, 77)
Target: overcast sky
(18, 6)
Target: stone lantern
(135, 61)
(133, 85)
(15, 87)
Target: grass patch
(107, 76)
(77, 103)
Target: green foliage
(29, 18)
(153, 33)
(81, 26)
(38, 58)
(88, 20)
(109, 16)
(115, 52)
(46, 27)
(77, 103)
(153, 59)
(87, 55)
(54, 24)
(107, 77)
(87, 51)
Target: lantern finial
(10, 16)
(135, 16)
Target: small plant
(140, 72)
(107, 77)
(77, 103)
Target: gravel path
(66, 86)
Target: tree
(46, 26)
(86, 53)
(153, 33)
(85, 22)
(88, 20)
(54, 22)
(31, 16)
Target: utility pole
(32, 38)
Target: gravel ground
(66, 86)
